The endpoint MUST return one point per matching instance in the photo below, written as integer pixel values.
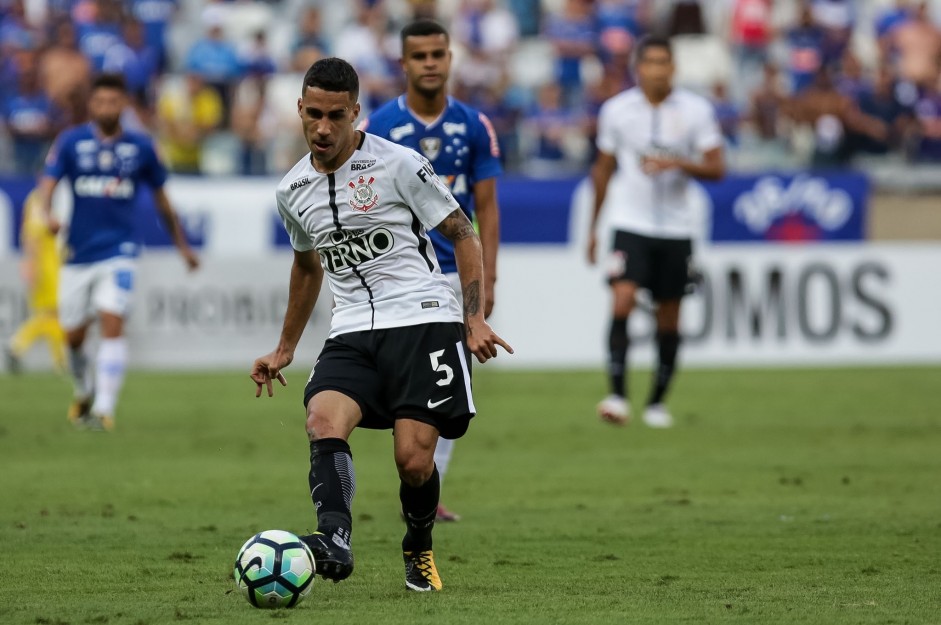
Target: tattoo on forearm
(456, 226)
(471, 299)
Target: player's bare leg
(419, 492)
(331, 417)
(615, 408)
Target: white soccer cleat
(657, 416)
(614, 409)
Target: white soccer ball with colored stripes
(274, 569)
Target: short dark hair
(423, 28)
(332, 74)
(652, 41)
(109, 81)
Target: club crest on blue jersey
(430, 147)
(363, 196)
(105, 160)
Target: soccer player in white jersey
(358, 208)
(461, 145)
(656, 138)
(106, 166)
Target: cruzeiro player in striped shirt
(461, 145)
(357, 209)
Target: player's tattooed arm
(482, 341)
(456, 226)
(468, 257)
(471, 299)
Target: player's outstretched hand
(268, 368)
(191, 260)
(653, 165)
(53, 225)
(592, 245)
(483, 341)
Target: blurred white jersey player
(657, 138)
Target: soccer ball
(274, 569)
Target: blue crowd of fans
(814, 82)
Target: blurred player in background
(106, 166)
(461, 145)
(40, 268)
(657, 138)
(357, 208)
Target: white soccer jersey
(629, 128)
(368, 222)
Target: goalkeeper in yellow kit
(42, 258)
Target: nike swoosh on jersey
(435, 404)
(304, 210)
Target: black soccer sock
(618, 342)
(332, 485)
(419, 506)
(668, 344)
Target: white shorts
(87, 289)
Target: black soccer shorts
(660, 265)
(420, 372)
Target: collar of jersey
(404, 106)
(643, 97)
(96, 133)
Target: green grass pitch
(782, 497)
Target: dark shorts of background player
(419, 372)
(660, 265)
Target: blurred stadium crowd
(795, 83)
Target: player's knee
(318, 425)
(623, 306)
(668, 328)
(622, 312)
(414, 470)
(75, 338)
(668, 316)
(624, 299)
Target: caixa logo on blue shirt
(802, 207)
(104, 186)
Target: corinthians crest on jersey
(363, 195)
